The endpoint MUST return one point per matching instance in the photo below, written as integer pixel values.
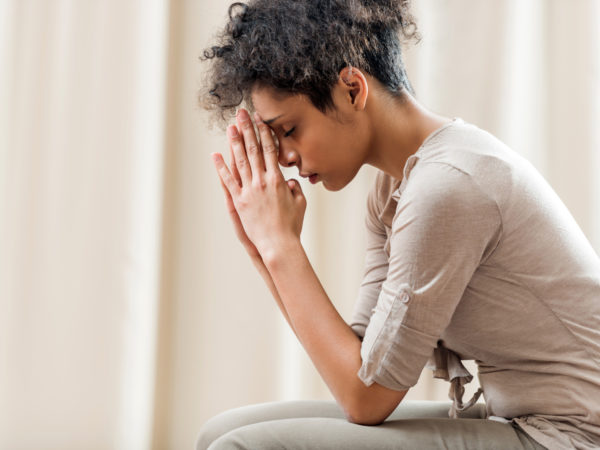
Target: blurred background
(129, 312)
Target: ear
(355, 85)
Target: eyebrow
(270, 121)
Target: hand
(264, 207)
(235, 218)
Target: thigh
(336, 433)
(267, 413)
(263, 412)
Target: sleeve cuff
(397, 358)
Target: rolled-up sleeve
(444, 227)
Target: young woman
(470, 255)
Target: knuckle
(274, 178)
(261, 183)
(269, 148)
(241, 203)
(252, 147)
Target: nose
(287, 156)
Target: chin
(340, 183)
(333, 188)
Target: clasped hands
(265, 208)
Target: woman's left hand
(271, 210)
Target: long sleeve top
(473, 256)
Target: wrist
(279, 249)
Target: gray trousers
(322, 425)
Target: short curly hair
(300, 47)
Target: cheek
(332, 138)
(343, 143)
(313, 144)
(327, 145)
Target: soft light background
(129, 314)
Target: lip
(312, 177)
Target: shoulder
(443, 192)
(437, 180)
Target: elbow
(362, 419)
(372, 406)
(359, 415)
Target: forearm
(260, 266)
(331, 344)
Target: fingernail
(257, 117)
(233, 131)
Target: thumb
(294, 186)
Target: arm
(272, 211)
(264, 273)
(248, 245)
(331, 344)
(361, 404)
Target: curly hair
(300, 46)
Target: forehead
(270, 103)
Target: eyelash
(287, 133)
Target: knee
(261, 436)
(213, 429)
(242, 417)
(233, 440)
(206, 435)
(227, 421)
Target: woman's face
(333, 145)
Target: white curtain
(82, 134)
(129, 314)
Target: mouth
(312, 177)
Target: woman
(470, 253)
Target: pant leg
(263, 412)
(321, 425)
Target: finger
(233, 165)
(228, 199)
(233, 214)
(295, 187)
(268, 145)
(253, 150)
(224, 174)
(241, 161)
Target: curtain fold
(82, 146)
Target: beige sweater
(472, 255)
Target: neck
(398, 130)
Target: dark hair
(300, 46)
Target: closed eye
(287, 133)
